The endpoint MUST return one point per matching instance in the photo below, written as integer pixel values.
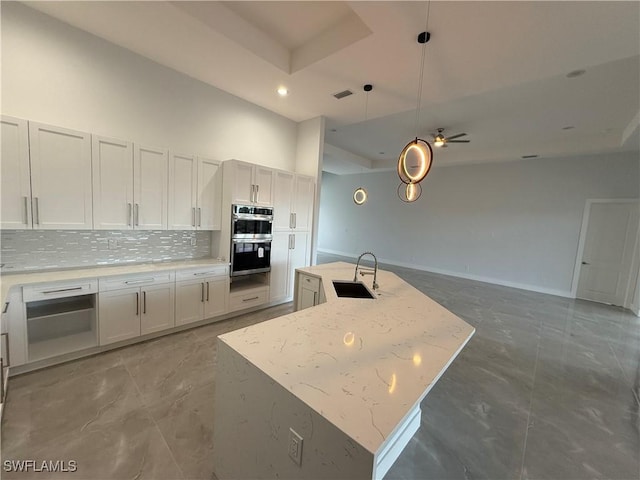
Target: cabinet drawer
(59, 289)
(138, 280)
(194, 273)
(309, 282)
(248, 298)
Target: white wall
(309, 156)
(57, 74)
(514, 224)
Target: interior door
(608, 248)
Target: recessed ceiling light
(568, 127)
(575, 73)
(283, 92)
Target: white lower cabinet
(201, 294)
(131, 306)
(309, 291)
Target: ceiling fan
(439, 140)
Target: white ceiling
(495, 70)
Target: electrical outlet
(113, 244)
(193, 241)
(295, 446)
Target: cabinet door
(150, 169)
(60, 177)
(280, 284)
(119, 315)
(15, 324)
(209, 194)
(263, 179)
(241, 179)
(215, 296)
(183, 190)
(303, 203)
(112, 171)
(283, 183)
(189, 301)
(157, 308)
(307, 297)
(299, 256)
(14, 174)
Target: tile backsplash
(26, 250)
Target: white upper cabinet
(60, 177)
(209, 194)
(302, 207)
(283, 183)
(183, 192)
(112, 162)
(263, 183)
(15, 174)
(150, 169)
(250, 184)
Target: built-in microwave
(250, 222)
(250, 256)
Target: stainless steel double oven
(251, 235)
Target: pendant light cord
(424, 50)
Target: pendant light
(414, 162)
(360, 194)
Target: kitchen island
(331, 391)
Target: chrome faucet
(375, 270)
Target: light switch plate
(295, 446)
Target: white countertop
(9, 280)
(362, 364)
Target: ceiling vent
(344, 93)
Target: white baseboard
(468, 276)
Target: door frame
(581, 242)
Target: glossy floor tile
(548, 388)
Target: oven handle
(251, 240)
(247, 216)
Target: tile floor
(548, 388)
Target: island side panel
(252, 418)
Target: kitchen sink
(352, 289)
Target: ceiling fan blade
(456, 136)
(458, 141)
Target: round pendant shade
(409, 192)
(415, 161)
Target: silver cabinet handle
(71, 289)
(137, 304)
(253, 195)
(257, 192)
(293, 238)
(199, 217)
(129, 214)
(36, 211)
(249, 299)
(193, 216)
(586, 263)
(207, 291)
(26, 210)
(291, 220)
(202, 292)
(1, 380)
(136, 214)
(289, 241)
(6, 307)
(295, 220)
(6, 336)
(144, 302)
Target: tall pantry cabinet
(293, 197)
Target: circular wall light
(283, 91)
(360, 196)
(409, 192)
(415, 161)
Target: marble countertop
(363, 364)
(9, 280)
